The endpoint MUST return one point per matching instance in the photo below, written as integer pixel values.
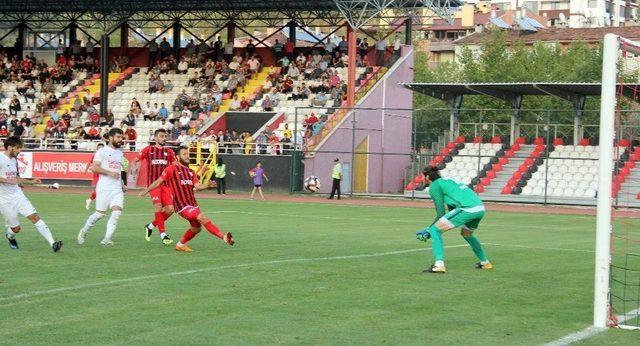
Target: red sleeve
(195, 179)
(144, 154)
(171, 156)
(168, 173)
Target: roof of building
(562, 90)
(562, 35)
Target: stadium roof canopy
(356, 12)
(509, 91)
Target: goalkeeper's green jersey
(446, 191)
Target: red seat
(509, 153)
(451, 145)
(518, 175)
(638, 195)
(620, 179)
(496, 139)
(410, 187)
(446, 151)
(485, 181)
(460, 139)
(520, 140)
(584, 142)
(538, 141)
(418, 179)
(497, 167)
(629, 164)
(558, 141)
(515, 147)
(491, 174)
(438, 159)
(635, 156)
(528, 161)
(625, 171)
(503, 160)
(624, 143)
(507, 190)
(479, 188)
(477, 139)
(523, 168)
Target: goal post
(616, 301)
(605, 176)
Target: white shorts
(105, 200)
(11, 210)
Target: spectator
(244, 104)
(130, 120)
(163, 112)
(190, 49)
(185, 119)
(320, 100)
(278, 48)
(267, 104)
(4, 133)
(363, 48)
(329, 47)
(184, 139)
(261, 143)
(93, 133)
(251, 48)
(343, 47)
(183, 66)
(147, 112)
(381, 47)
(288, 49)
(248, 142)
(165, 47)
(286, 132)
(168, 87)
(72, 138)
(130, 136)
(228, 51)
(14, 105)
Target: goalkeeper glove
(423, 234)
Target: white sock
(91, 221)
(484, 262)
(11, 234)
(151, 226)
(163, 234)
(45, 231)
(112, 224)
(439, 264)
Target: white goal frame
(608, 103)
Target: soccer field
(300, 273)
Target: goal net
(617, 270)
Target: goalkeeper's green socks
(438, 247)
(477, 248)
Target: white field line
(591, 331)
(540, 248)
(207, 269)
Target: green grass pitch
(300, 273)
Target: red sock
(159, 221)
(93, 195)
(188, 235)
(213, 229)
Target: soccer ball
(55, 186)
(312, 184)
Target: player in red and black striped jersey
(183, 182)
(158, 158)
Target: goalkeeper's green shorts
(464, 217)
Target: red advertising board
(60, 165)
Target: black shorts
(257, 185)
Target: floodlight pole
(104, 73)
(605, 172)
(351, 69)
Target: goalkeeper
(465, 211)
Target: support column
(351, 70)
(73, 33)
(104, 73)
(231, 32)
(578, 129)
(176, 38)
(408, 38)
(515, 119)
(456, 104)
(124, 38)
(19, 45)
(292, 34)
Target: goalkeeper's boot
(182, 247)
(228, 238)
(435, 269)
(487, 265)
(166, 240)
(147, 232)
(13, 243)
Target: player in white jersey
(107, 162)
(13, 202)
